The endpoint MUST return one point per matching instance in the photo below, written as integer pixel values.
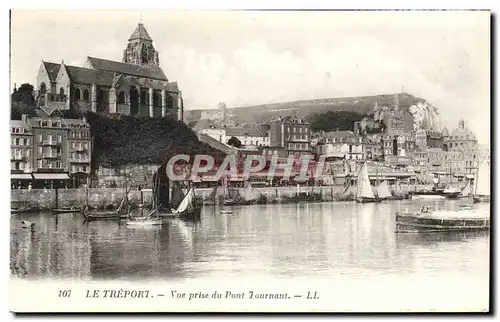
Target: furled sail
(186, 203)
(177, 194)
(161, 188)
(383, 190)
(483, 180)
(364, 190)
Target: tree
(233, 141)
(22, 102)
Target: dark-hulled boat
(425, 220)
(68, 210)
(180, 206)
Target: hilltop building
(135, 86)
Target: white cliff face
(426, 117)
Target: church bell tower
(140, 49)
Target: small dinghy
(27, 224)
(226, 212)
(144, 222)
(151, 219)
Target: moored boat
(425, 220)
(68, 210)
(364, 192)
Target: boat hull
(410, 223)
(191, 214)
(481, 199)
(65, 211)
(102, 215)
(368, 200)
(144, 223)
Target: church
(135, 86)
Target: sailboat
(159, 199)
(105, 214)
(364, 191)
(482, 189)
(187, 208)
(249, 194)
(383, 191)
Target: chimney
(24, 118)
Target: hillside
(121, 140)
(363, 105)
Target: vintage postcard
(250, 161)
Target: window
(121, 98)
(77, 94)
(40, 137)
(27, 141)
(86, 95)
(61, 91)
(59, 138)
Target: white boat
(364, 192)
(482, 188)
(226, 212)
(27, 224)
(150, 220)
(427, 220)
(144, 222)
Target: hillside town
(52, 147)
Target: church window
(143, 97)
(121, 98)
(43, 88)
(61, 91)
(86, 95)
(77, 94)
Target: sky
(257, 57)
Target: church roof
(89, 76)
(140, 33)
(127, 69)
(172, 87)
(52, 70)
(81, 75)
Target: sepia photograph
(250, 161)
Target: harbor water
(282, 240)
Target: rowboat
(65, 210)
(425, 220)
(226, 212)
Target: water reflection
(319, 239)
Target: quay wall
(111, 197)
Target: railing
(51, 156)
(82, 160)
(50, 142)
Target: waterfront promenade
(111, 197)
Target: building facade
(55, 153)
(135, 86)
(291, 133)
(21, 153)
